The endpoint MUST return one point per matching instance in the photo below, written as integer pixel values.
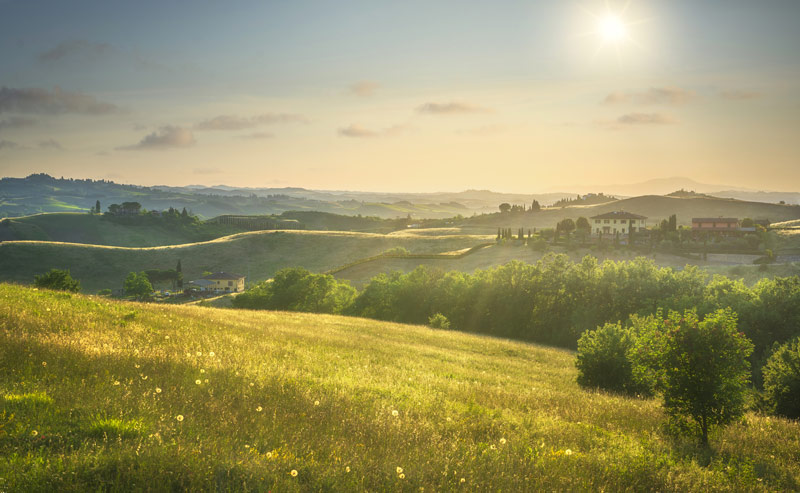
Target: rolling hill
(97, 229)
(258, 255)
(112, 395)
(655, 207)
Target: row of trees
(506, 207)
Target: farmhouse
(617, 222)
(220, 282)
(715, 224)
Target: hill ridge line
(221, 239)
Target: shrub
(57, 279)
(104, 292)
(538, 244)
(604, 360)
(398, 250)
(439, 321)
(782, 380)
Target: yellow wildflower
(179, 417)
(294, 473)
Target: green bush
(604, 360)
(439, 321)
(782, 380)
(104, 292)
(398, 250)
(538, 244)
(57, 279)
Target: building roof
(201, 282)
(715, 220)
(619, 215)
(223, 276)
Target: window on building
(622, 221)
(606, 221)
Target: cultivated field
(112, 395)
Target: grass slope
(258, 255)
(100, 230)
(121, 396)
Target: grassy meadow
(102, 395)
(257, 255)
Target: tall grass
(123, 396)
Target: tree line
(552, 302)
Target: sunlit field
(101, 395)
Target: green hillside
(98, 395)
(98, 229)
(258, 255)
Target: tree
(97, 207)
(535, 206)
(57, 279)
(138, 285)
(748, 223)
(184, 214)
(782, 380)
(132, 208)
(673, 222)
(702, 368)
(505, 207)
(583, 228)
(179, 280)
(567, 226)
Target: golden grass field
(103, 395)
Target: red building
(711, 224)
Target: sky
(417, 96)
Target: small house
(220, 282)
(617, 222)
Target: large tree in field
(57, 279)
(505, 207)
(702, 368)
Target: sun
(611, 28)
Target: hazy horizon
(515, 97)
